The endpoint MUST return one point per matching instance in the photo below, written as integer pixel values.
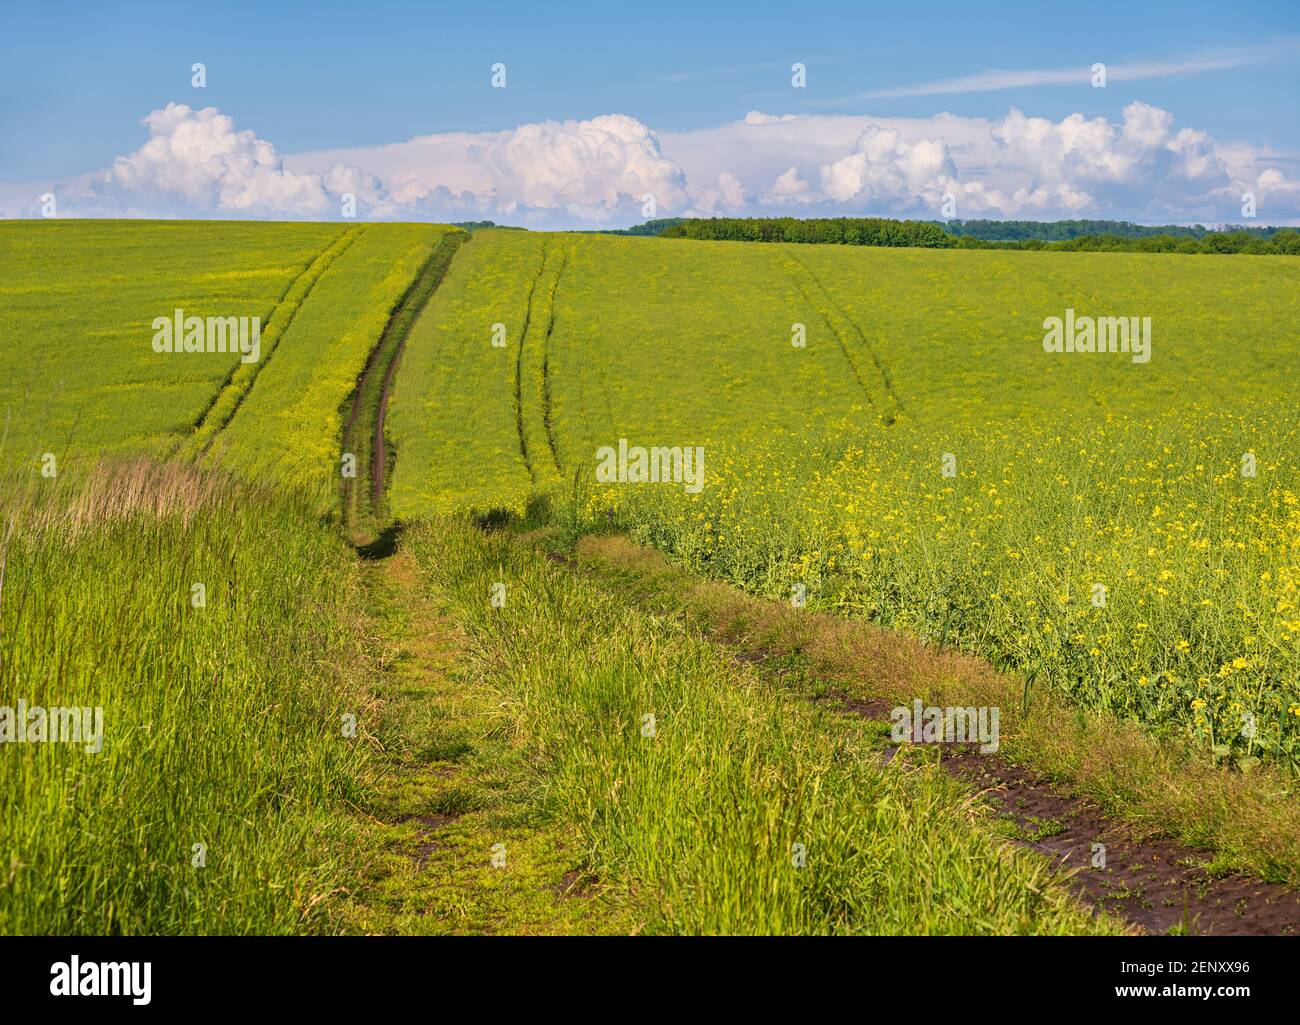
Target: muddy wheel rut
(1155, 884)
(363, 431)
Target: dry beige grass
(111, 490)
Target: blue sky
(76, 80)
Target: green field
(77, 301)
(89, 383)
(1107, 548)
(824, 463)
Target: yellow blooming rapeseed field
(1144, 578)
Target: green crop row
(241, 379)
(454, 413)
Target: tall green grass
(222, 724)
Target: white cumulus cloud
(589, 169)
(591, 172)
(196, 161)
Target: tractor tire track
(547, 407)
(862, 338)
(848, 358)
(519, 366)
(1150, 880)
(537, 440)
(369, 401)
(804, 277)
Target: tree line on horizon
(1062, 231)
(1068, 236)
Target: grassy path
(456, 789)
(557, 758)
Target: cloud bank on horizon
(598, 172)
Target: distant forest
(1062, 236)
(476, 225)
(1061, 231)
(656, 227)
(1067, 236)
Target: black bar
(880, 974)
